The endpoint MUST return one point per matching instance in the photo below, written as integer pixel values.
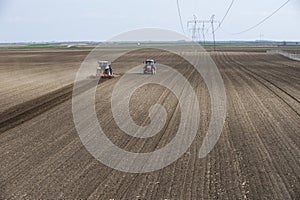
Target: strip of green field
(220, 46)
(37, 46)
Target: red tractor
(149, 67)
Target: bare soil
(256, 157)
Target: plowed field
(256, 157)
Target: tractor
(149, 67)
(104, 70)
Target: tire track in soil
(268, 84)
(21, 113)
(78, 178)
(283, 97)
(29, 74)
(231, 176)
(154, 185)
(131, 180)
(184, 171)
(289, 99)
(285, 143)
(286, 147)
(119, 193)
(235, 94)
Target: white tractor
(104, 70)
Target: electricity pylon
(195, 30)
(195, 22)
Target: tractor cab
(150, 62)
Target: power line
(180, 17)
(229, 8)
(262, 21)
(224, 17)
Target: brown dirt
(257, 156)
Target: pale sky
(99, 20)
